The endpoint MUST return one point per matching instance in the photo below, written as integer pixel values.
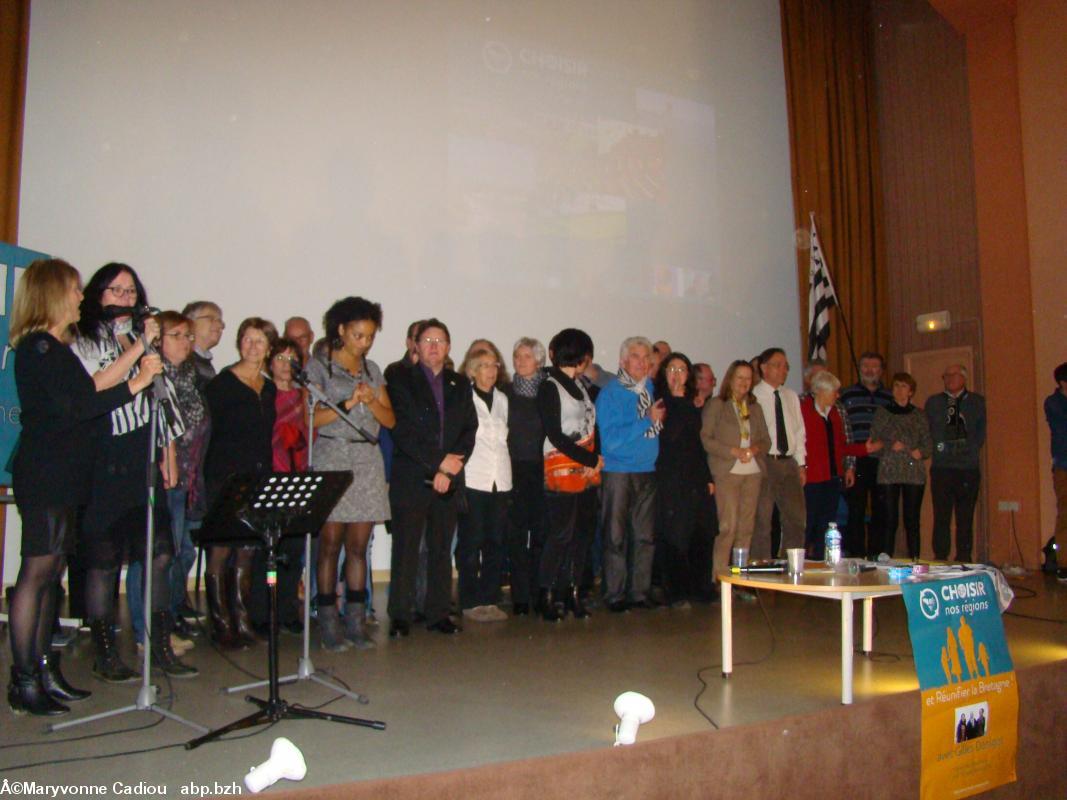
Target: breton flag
(821, 298)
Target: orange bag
(564, 474)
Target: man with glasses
(958, 426)
(434, 435)
(208, 326)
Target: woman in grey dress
(357, 386)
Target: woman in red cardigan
(827, 448)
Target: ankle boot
(576, 603)
(218, 609)
(107, 665)
(551, 608)
(354, 626)
(163, 655)
(53, 682)
(330, 634)
(26, 695)
(240, 594)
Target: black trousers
(954, 491)
(526, 528)
(480, 547)
(863, 538)
(912, 496)
(681, 520)
(421, 512)
(571, 524)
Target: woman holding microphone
(52, 469)
(356, 385)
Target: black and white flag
(821, 298)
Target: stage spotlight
(286, 761)
(634, 710)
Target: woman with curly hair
(356, 385)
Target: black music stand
(270, 507)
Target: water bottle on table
(833, 545)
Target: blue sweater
(622, 432)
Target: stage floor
(496, 692)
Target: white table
(817, 581)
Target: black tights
(100, 588)
(32, 609)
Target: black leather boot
(26, 696)
(240, 595)
(551, 609)
(107, 665)
(163, 655)
(576, 603)
(53, 682)
(218, 609)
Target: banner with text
(970, 701)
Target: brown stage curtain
(14, 46)
(836, 171)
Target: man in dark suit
(434, 434)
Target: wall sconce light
(934, 322)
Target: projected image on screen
(551, 152)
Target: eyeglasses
(180, 335)
(286, 357)
(677, 369)
(489, 365)
(210, 318)
(429, 340)
(120, 291)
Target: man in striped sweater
(865, 538)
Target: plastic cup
(740, 557)
(795, 560)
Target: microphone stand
(148, 695)
(305, 669)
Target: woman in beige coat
(735, 437)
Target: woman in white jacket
(480, 548)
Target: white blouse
(490, 462)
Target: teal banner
(13, 260)
(956, 631)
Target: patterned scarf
(644, 401)
(741, 409)
(527, 387)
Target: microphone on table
(137, 312)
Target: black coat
(418, 448)
(53, 464)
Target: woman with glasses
(110, 342)
(682, 475)
(735, 437)
(355, 384)
(241, 403)
(185, 462)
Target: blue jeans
(184, 550)
(183, 559)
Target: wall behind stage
(511, 168)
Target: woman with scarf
(735, 437)
(109, 344)
(526, 439)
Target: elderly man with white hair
(630, 421)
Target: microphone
(300, 376)
(137, 312)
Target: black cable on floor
(702, 670)
(132, 752)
